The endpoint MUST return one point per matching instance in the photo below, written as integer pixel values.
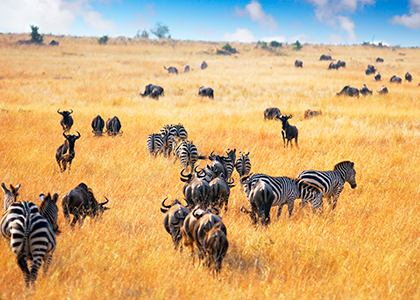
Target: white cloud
(302, 38)
(336, 39)
(51, 16)
(347, 25)
(240, 35)
(255, 12)
(411, 21)
(280, 39)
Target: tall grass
(368, 248)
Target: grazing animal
(215, 245)
(333, 65)
(187, 230)
(113, 126)
(67, 121)
(168, 133)
(65, 153)
(349, 91)
(10, 196)
(153, 91)
(206, 92)
(261, 197)
(243, 164)
(408, 77)
(54, 43)
(155, 144)
(220, 192)
(312, 113)
(377, 76)
(186, 69)
(31, 237)
(286, 190)
(227, 162)
(298, 64)
(271, 113)
(325, 57)
(171, 70)
(203, 65)
(370, 70)
(98, 125)
(173, 222)
(332, 182)
(196, 190)
(365, 91)
(341, 64)
(378, 60)
(187, 153)
(383, 90)
(80, 202)
(395, 79)
(288, 132)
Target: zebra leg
(335, 197)
(279, 210)
(23, 265)
(290, 205)
(35, 265)
(47, 260)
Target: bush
(297, 46)
(103, 40)
(35, 36)
(228, 48)
(275, 44)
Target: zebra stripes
(9, 195)
(243, 164)
(31, 237)
(187, 153)
(286, 190)
(168, 133)
(155, 144)
(332, 183)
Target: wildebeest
(67, 121)
(196, 190)
(261, 197)
(171, 70)
(54, 43)
(153, 91)
(379, 59)
(215, 245)
(365, 91)
(383, 90)
(341, 63)
(175, 215)
(298, 64)
(312, 113)
(370, 70)
(349, 91)
(203, 65)
(65, 153)
(98, 125)
(333, 65)
(206, 92)
(408, 77)
(220, 191)
(289, 132)
(186, 69)
(377, 76)
(395, 79)
(113, 126)
(271, 113)
(325, 57)
(80, 202)
(187, 230)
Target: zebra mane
(344, 164)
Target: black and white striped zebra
(286, 190)
(187, 153)
(155, 144)
(243, 164)
(168, 133)
(332, 182)
(10, 196)
(31, 237)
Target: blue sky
(309, 21)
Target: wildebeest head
(284, 119)
(67, 121)
(71, 138)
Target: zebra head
(10, 196)
(49, 210)
(346, 169)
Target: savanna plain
(368, 248)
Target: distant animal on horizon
(325, 57)
(370, 70)
(171, 70)
(349, 91)
(206, 92)
(271, 113)
(67, 121)
(365, 91)
(312, 113)
(113, 126)
(54, 43)
(298, 64)
(153, 91)
(408, 77)
(203, 65)
(395, 79)
(65, 153)
(186, 69)
(377, 76)
(379, 59)
(383, 90)
(98, 125)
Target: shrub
(103, 40)
(35, 36)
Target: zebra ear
(3, 186)
(41, 197)
(55, 198)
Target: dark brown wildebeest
(325, 57)
(67, 121)
(365, 91)
(377, 76)
(395, 79)
(333, 65)
(196, 190)
(370, 70)
(10, 196)
(341, 64)
(187, 230)
(206, 92)
(312, 113)
(171, 70)
(349, 91)
(203, 65)
(54, 43)
(186, 69)
(175, 215)
(98, 125)
(65, 153)
(220, 191)
(379, 59)
(383, 90)
(80, 202)
(408, 77)
(289, 132)
(215, 245)
(113, 126)
(271, 113)
(153, 91)
(298, 64)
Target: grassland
(369, 248)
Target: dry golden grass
(368, 249)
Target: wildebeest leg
(75, 219)
(284, 139)
(254, 213)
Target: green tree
(35, 36)
(103, 40)
(143, 34)
(297, 46)
(275, 44)
(229, 48)
(160, 30)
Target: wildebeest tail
(201, 157)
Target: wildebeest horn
(71, 111)
(211, 156)
(230, 181)
(103, 203)
(163, 203)
(244, 210)
(186, 177)
(78, 134)
(290, 116)
(64, 134)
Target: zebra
(31, 236)
(187, 153)
(10, 196)
(155, 144)
(49, 210)
(243, 164)
(286, 190)
(168, 133)
(332, 183)
(227, 161)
